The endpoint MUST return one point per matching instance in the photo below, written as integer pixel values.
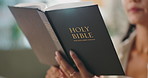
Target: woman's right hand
(54, 72)
(66, 71)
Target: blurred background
(17, 59)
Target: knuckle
(52, 69)
(55, 70)
(48, 71)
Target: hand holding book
(77, 26)
(67, 71)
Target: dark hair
(129, 31)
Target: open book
(71, 26)
(43, 7)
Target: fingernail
(71, 52)
(56, 53)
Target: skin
(137, 12)
(66, 69)
(139, 51)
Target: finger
(65, 72)
(62, 75)
(66, 68)
(79, 64)
(53, 71)
(72, 75)
(62, 70)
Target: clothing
(123, 49)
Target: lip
(135, 9)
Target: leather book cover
(82, 30)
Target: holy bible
(76, 26)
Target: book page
(40, 6)
(43, 7)
(69, 5)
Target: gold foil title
(81, 33)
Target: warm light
(99, 2)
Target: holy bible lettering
(81, 33)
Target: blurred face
(137, 11)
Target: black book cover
(83, 30)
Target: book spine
(51, 32)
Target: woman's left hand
(68, 70)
